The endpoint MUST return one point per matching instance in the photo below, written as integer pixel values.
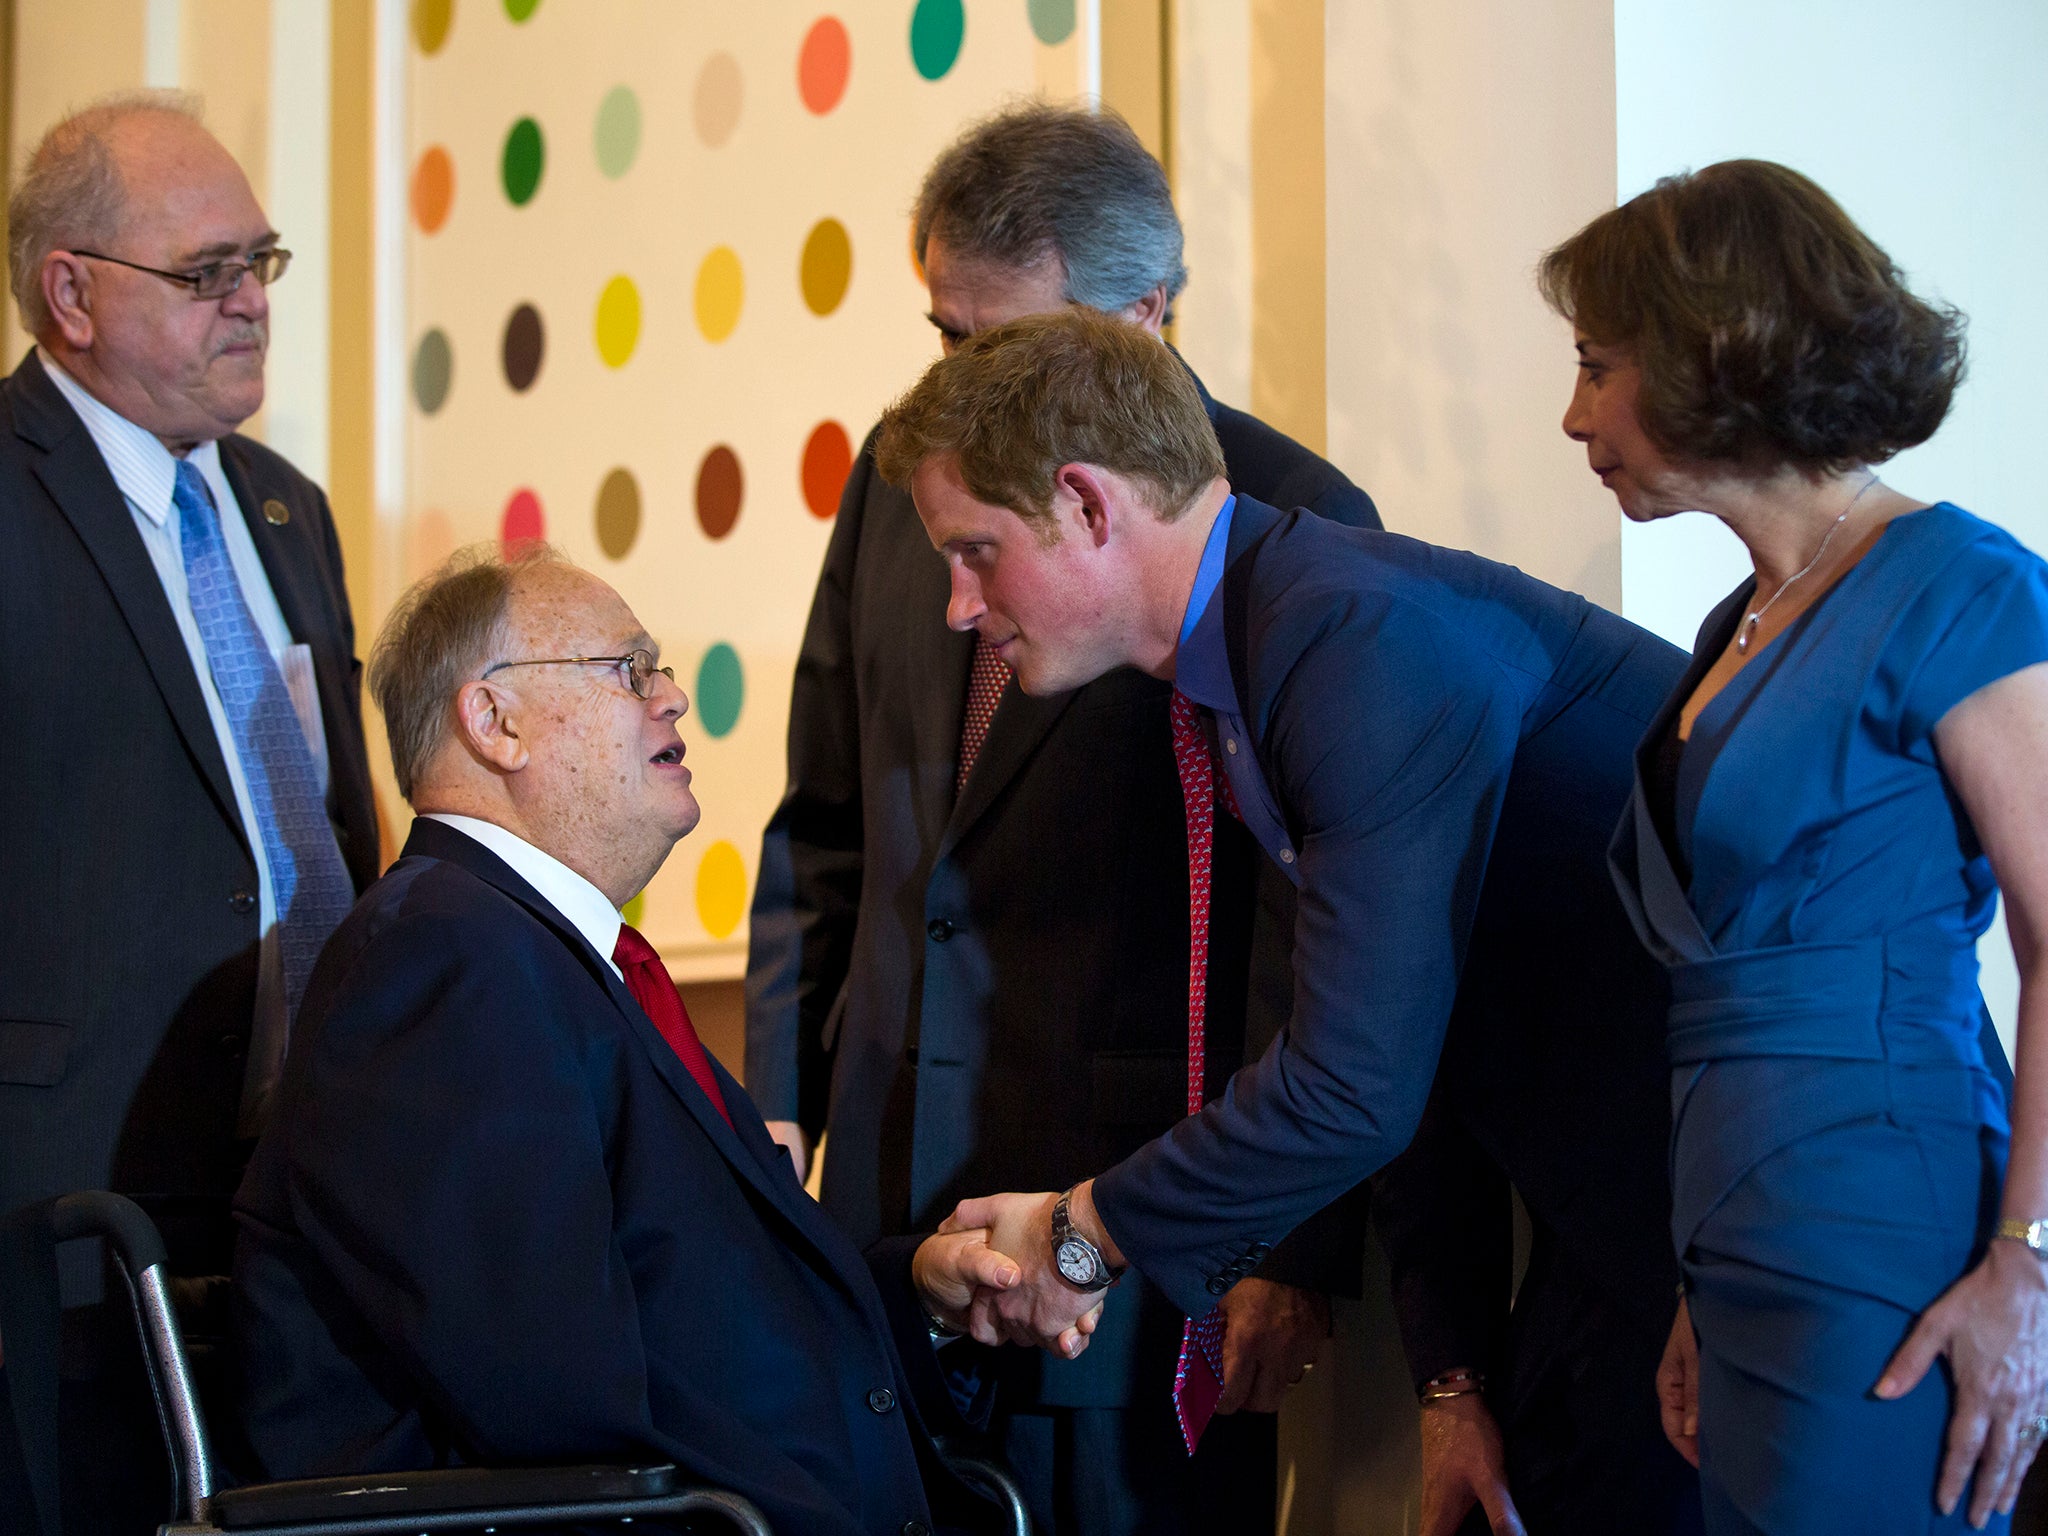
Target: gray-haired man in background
(932, 976)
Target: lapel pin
(276, 513)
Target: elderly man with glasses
(510, 1211)
(185, 805)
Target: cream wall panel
(1212, 138)
(1464, 139)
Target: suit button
(232, 1045)
(881, 1399)
(939, 929)
(1218, 1285)
(916, 1528)
(1286, 855)
(241, 903)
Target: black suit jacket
(495, 1221)
(1446, 739)
(994, 986)
(128, 918)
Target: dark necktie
(655, 991)
(1198, 1377)
(986, 681)
(308, 879)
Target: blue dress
(1838, 1138)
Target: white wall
(1934, 136)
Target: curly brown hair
(1015, 402)
(1770, 330)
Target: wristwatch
(1079, 1261)
(2033, 1233)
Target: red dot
(823, 64)
(523, 523)
(828, 459)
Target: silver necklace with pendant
(1756, 615)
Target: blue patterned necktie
(307, 876)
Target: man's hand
(1041, 1308)
(949, 1270)
(1678, 1387)
(789, 1136)
(1463, 1464)
(1992, 1325)
(1271, 1333)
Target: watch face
(1075, 1262)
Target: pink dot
(523, 523)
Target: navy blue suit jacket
(1423, 716)
(495, 1221)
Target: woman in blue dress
(1825, 812)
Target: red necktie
(985, 684)
(1198, 1378)
(655, 991)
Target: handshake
(989, 1272)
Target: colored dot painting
(524, 344)
(431, 20)
(828, 460)
(524, 158)
(522, 524)
(721, 889)
(618, 321)
(618, 513)
(433, 189)
(721, 291)
(823, 64)
(1052, 21)
(618, 131)
(721, 487)
(827, 266)
(715, 105)
(433, 371)
(937, 28)
(702, 168)
(721, 689)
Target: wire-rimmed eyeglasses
(217, 279)
(635, 668)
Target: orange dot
(823, 64)
(828, 460)
(433, 189)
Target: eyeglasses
(217, 279)
(637, 668)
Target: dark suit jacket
(994, 987)
(128, 918)
(1444, 737)
(495, 1221)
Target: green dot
(1052, 21)
(618, 131)
(519, 10)
(433, 370)
(936, 28)
(524, 157)
(720, 689)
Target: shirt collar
(143, 468)
(1202, 664)
(588, 910)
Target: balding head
(135, 181)
(494, 714)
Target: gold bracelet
(1459, 1383)
(2033, 1233)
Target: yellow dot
(721, 290)
(721, 889)
(618, 321)
(827, 266)
(634, 910)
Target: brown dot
(720, 489)
(525, 343)
(618, 513)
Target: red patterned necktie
(985, 684)
(655, 991)
(1198, 1377)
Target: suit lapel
(940, 659)
(288, 576)
(79, 482)
(1019, 726)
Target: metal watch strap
(1064, 1233)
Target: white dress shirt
(589, 911)
(146, 473)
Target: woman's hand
(1678, 1387)
(1992, 1325)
